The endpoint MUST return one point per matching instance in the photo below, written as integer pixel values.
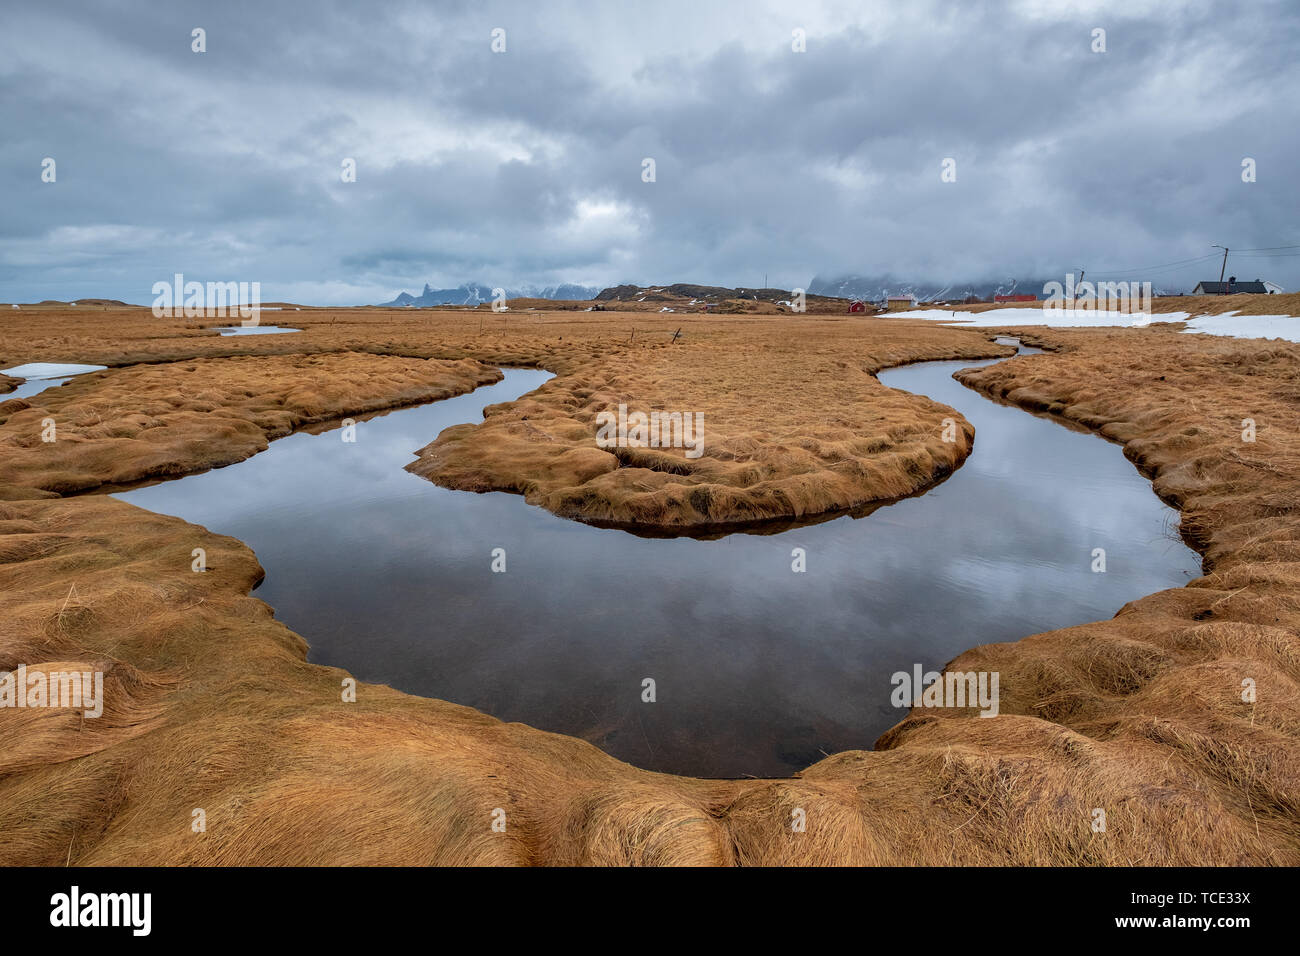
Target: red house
(857, 306)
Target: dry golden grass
(214, 706)
(794, 425)
(160, 420)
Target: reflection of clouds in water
(1042, 464)
(254, 330)
(50, 369)
(43, 375)
(304, 472)
(33, 386)
(758, 668)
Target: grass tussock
(792, 427)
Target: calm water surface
(33, 386)
(758, 670)
(254, 329)
(42, 375)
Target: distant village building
(1273, 288)
(900, 303)
(857, 306)
(1231, 287)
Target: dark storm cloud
(525, 167)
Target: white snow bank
(1229, 323)
(1061, 318)
(1247, 326)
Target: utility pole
(1224, 267)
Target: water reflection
(758, 670)
(42, 375)
(253, 329)
(33, 386)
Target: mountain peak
(472, 293)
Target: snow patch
(1057, 318)
(1247, 326)
(1229, 323)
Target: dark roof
(1219, 288)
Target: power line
(1264, 252)
(1155, 272)
(1167, 265)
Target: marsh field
(384, 687)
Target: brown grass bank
(212, 706)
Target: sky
(526, 165)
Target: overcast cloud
(525, 167)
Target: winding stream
(759, 670)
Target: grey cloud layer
(525, 167)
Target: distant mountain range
(867, 288)
(877, 288)
(681, 290)
(472, 293)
